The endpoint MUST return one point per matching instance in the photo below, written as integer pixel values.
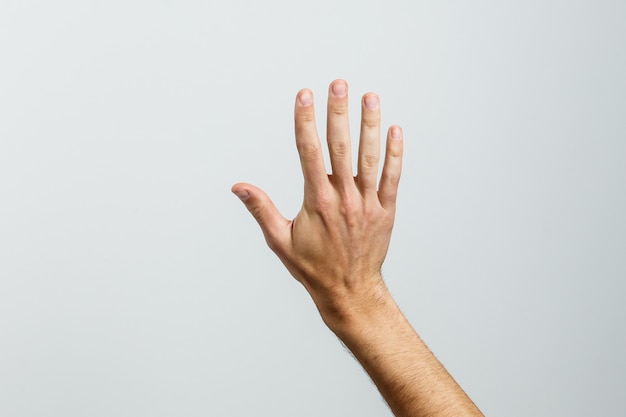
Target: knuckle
(339, 110)
(395, 152)
(352, 222)
(339, 148)
(369, 212)
(393, 180)
(322, 204)
(369, 161)
(258, 212)
(305, 117)
(371, 121)
(308, 151)
(352, 213)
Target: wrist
(351, 314)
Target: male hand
(336, 244)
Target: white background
(132, 283)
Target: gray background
(133, 283)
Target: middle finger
(338, 134)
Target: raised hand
(336, 244)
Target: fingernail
(396, 132)
(371, 101)
(340, 89)
(305, 98)
(242, 194)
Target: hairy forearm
(409, 377)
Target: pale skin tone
(337, 243)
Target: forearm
(409, 377)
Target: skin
(337, 243)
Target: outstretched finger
(390, 177)
(338, 134)
(369, 144)
(273, 225)
(308, 143)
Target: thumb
(263, 210)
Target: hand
(336, 246)
(337, 243)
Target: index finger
(308, 143)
